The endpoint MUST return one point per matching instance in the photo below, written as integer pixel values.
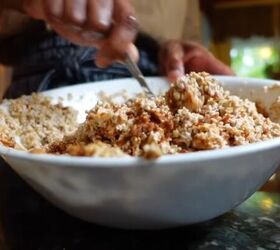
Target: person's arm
(178, 58)
(80, 21)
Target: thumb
(171, 60)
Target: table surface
(28, 222)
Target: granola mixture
(33, 122)
(195, 114)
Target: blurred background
(244, 34)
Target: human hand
(82, 22)
(178, 58)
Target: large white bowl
(134, 193)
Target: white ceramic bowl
(134, 193)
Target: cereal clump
(33, 122)
(195, 114)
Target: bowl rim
(128, 161)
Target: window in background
(255, 57)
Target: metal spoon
(137, 74)
(130, 64)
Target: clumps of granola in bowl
(32, 122)
(196, 113)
